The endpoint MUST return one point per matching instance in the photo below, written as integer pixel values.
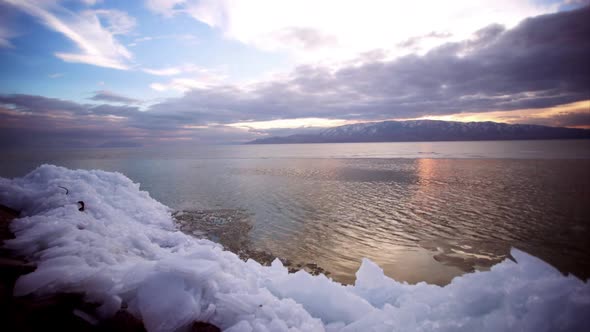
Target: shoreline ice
(124, 248)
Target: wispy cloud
(181, 69)
(199, 77)
(55, 75)
(109, 96)
(96, 42)
(166, 71)
(90, 2)
(181, 37)
(164, 7)
(186, 84)
(7, 31)
(5, 36)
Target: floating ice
(124, 248)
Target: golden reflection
(425, 170)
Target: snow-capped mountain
(429, 130)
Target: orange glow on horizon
(552, 116)
(532, 115)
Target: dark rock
(6, 216)
(56, 312)
(123, 321)
(204, 327)
(15, 266)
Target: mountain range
(429, 130)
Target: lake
(422, 211)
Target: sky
(91, 73)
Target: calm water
(423, 211)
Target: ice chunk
(165, 304)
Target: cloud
(117, 22)
(90, 2)
(7, 29)
(305, 38)
(29, 104)
(414, 42)
(539, 64)
(333, 29)
(576, 3)
(579, 120)
(199, 78)
(55, 75)
(176, 70)
(40, 121)
(5, 36)
(576, 114)
(5, 43)
(51, 115)
(108, 96)
(23, 105)
(182, 37)
(185, 84)
(168, 71)
(93, 32)
(158, 87)
(164, 7)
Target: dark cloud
(565, 119)
(28, 120)
(574, 119)
(39, 104)
(25, 104)
(108, 96)
(38, 131)
(35, 121)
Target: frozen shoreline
(125, 249)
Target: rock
(15, 266)
(123, 321)
(56, 312)
(6, 216)
(204, 327)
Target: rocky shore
(57, 312)
(230, 228)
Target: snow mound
(124, 248)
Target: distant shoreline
(429, 131)
(425, 141)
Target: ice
(124, 248)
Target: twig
(66, 189)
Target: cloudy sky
(117, 73)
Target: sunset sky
(116, 73)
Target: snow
(124, 248)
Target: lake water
(422, 211)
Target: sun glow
(548, 115)
(291, 123)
